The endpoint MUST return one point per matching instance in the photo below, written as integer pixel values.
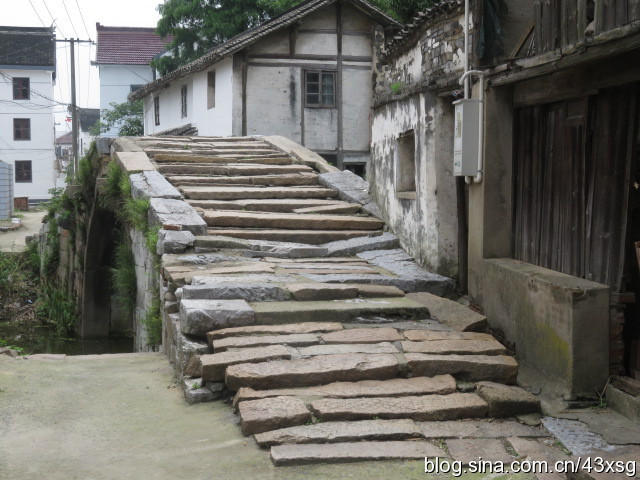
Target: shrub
(56, 307)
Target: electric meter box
(466, 138)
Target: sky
(77, 19)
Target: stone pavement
(15, 241)
(284, 291)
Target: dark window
(331, 158)
(21, 89)
(320, 88)
(23, 171)
(135, 88)
(21, 129)
(211, 89)
(183, 100)
(359, 169)
(156, 110)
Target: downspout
(466, 80)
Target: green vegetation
(196, 26)
(57, 308)
(126, 116)
(397, 88)
(123, 275)
(153, 322)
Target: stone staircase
(303, 309)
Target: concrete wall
(216, 121)
(6, 191)
(40, 149)
(116, 82)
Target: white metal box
(466, 138)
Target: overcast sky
(69, 23)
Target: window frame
(183, 101)
(211, 89)
(17, 85)
(135, 87)
(334, 74)
(156, 110)
(17, 128)
(22, 170)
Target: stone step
(362, 336)
(290, 329)
(230, 159)
(284, 205)
(216, 218)
(231, 193)
(335, 432)
(230, 169)
(208, 152)
(181, 275)
(354, 452)
(269, 313)
(422, 408)
(312, 371)
(309, 237)
(396, 387)
(293, 340)
(257, 416)
(473, 368)
(480, 429)
(462, 347)
(316, 350)
(334, 209)
(305, 292)
(292, 179)
(429, 335)
(213, 366)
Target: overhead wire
(53, 19)
(37, 14)
(70, 21)
(83, 22)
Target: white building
(123, 57)
(27, 78)
(306, 75)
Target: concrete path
(14, 241)
(121, 417)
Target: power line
(53, 19)
(37, 14)
(70, 21)
(83, 22)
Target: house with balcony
(27, 78)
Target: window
(21, 88)
(134, 88)
(406, 165)
(211, 89)
(331, 158)
(183, 100)
(359, 169)
(23, 171)
(156, 110)
(320, 88)
(21, 129)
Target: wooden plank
(537, 15)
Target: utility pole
(74, 105)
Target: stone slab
(257, 416)
(474, 368)
(311, 237)
(532, 450)
(451, 313)
(199, 395)
(294, 340)
(320, 291)
(221, 218)
(335, 349)
(350, 186)
(462, 347)
(344, 208)
(233, 193)
(133, 162)
(395, 387)
(479, 429)
(152, 184)
(420, 408)
(290, 329)
(213, 366)
(379, 291)
(353, 452)
(576, 436)
(337, 310)
(363, 335)
(260, 279)
(333, 432)
(170, 242)
(312, 371)
(234, 291)
(197, 317)
(428, 335)
(507, 400)
(362, 244)
(168, 212)
(466, 450)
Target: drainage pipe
(465, 79)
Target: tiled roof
(128, 45)
(88, 117)
(28, 46)
(251, 36)
(66, 139)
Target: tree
(127, 117)
(198, 25)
